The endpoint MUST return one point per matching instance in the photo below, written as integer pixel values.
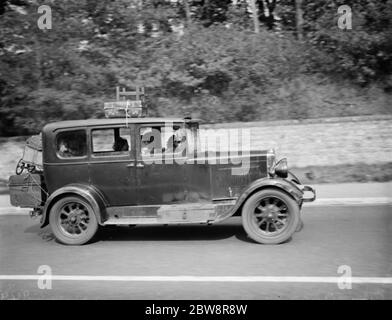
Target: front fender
(87, 192)
(278, 183)
(290, 187)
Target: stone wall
(317, 142)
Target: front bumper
(311, 196)
(311, 193)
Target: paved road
(358, 236)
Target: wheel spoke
(267, 226)
(69, 228)
(275, 226)
(282, 207)
(65, 213)
(261, 221)
(80, 228)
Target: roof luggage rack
(128, 104)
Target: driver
(175, 141)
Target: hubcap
(74, 219)
(271, 215)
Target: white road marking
(285, 279)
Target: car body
(100, 172)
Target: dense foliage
(198, 57)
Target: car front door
(159, 171)
(112, 164)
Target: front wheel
(270, 216)
(73, 221)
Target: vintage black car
(138, 171)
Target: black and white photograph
(197, 155)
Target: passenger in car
(120, 144)
(66, 149)
(175, 141)
(147, 147)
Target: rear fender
(89, 193)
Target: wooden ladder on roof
(122, 94)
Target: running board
(167, 214)
(146, 221)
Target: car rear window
(71, 144)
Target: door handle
(138, 165)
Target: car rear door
(112, 164)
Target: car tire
(300, 226)
(270, 216)
(73, 221)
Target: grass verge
(360, 172)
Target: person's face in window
(62, 146)
(147, 144)
(72, 144)
(179, 138)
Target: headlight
(281, 169)
(271, 161)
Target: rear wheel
(73, 221)
(270, 216)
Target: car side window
(161, 139)
(113, 141)
(71, 144)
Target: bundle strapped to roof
(128, 104)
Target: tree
(299, 19)
(43, 71)
(255, 15)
